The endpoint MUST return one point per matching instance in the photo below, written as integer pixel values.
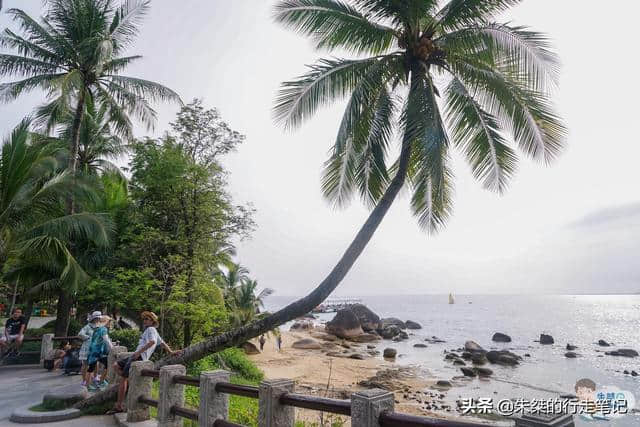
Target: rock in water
(468, 372)
(503, 357)
(307, 344)
(250, 348)
(420, 345)
(412, 325)
(478, 358)
(571, 347)
(345, 324)
(392, 321)
(634, 374)
(546, 339)
(369, 321)
(389, 353)
(570, 355)
(473, 346)
(603, 343)
(500, 337)
(389, 332)
(443, 383)
(357, 356)
(483, 372)
(624, 352)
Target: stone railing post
(138, 386)
(45, 347)
(270, 412)
(367, 405)
(213, 405)
(170, 394)
(111, 360)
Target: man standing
(13, 331)
(149, 340)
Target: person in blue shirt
(99, 349)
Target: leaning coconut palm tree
(440, 77)
(74, 53)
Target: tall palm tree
(441, 77)
(73, 54)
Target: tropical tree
(441, 77)
(74, 54)
(36, 232)
(247, 302)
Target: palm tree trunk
(63, 315)
(65, 301)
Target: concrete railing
(277, 401)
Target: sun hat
(94, 315)
(150, 315)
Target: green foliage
(496, 84)
(74, 327)
(232, 359)
(126, 337)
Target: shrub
(232, 359)
(126, 337)
(74, 326)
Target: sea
(580, 320)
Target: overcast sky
(573, 227)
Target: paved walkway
(24, 385)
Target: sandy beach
(320, 374)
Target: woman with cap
(99, 351)
(85, 335)
(149, 340)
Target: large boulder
(472, 346)
(412, 325)
(500, 337)
(624, 352)
(389, 353)
(468, 372)
(503, 357)
(369, 321)
(307, 344)
(345, 324)
(392, 321)
(603, 343)
(478, 358)
(250, 348)
(546, 339)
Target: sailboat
(451, 299)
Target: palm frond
(460, 13)
(326, 82)
(335, 24)
(478, 134)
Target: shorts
(103, 361)
(12, 338)
(125, 365)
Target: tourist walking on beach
(13, 331)
(262, 340)
(98, 353)
(85, 335)
(279, 342)
(149, 340)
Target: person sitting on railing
(149, 340)
(13, 332)
(98, 353)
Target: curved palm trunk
(297, 308)
(65, 301)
